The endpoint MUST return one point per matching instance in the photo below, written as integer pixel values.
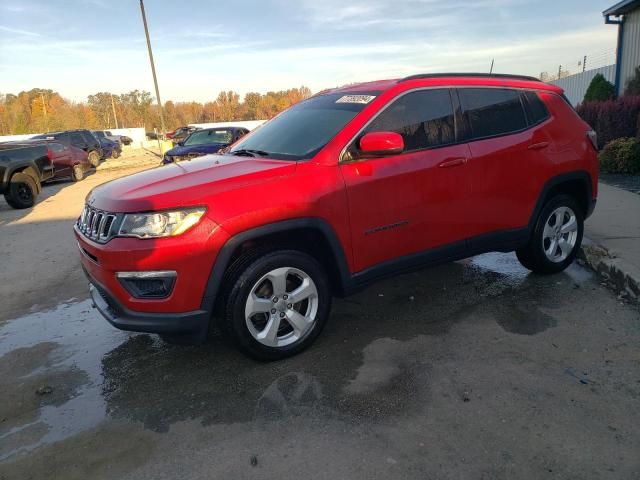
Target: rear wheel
(276, 304)
(556, 238)
(94, 159)
(77, 173)
(115, 153)
(22, 191)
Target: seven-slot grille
(96, 224)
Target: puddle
(76, 338)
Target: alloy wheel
(560, 234)
(281, 307)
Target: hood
(187, 149)
(185, 183)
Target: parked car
(68, 161)
(342, 189)
(100, 134)
(151, 135)
(202, 142)
(180, 134)
(81, 138)
(23, 168)
(125, 140)
(110, 149)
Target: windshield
(300, 132)
(99, 134)
(202, 137)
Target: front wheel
(556, 238)
(277, 303)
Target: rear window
(535, 108)
(492, 111)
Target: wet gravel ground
(631, 183)
(475, 369)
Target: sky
(80, 47)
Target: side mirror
(381, 143)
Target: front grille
(96, 224)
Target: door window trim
(459, 139)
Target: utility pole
(559, 68)
(491, 69)
(153, 70)
(113, 107)
(584, 63)
(44, 110)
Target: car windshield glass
(209, 136)
(301, 131)
(99, 133)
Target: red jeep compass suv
(349, 186)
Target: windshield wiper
(249, 153)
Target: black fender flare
(581, 175)
(226, 252)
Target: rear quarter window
(536, 110)
(492, 111)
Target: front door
(416, 200)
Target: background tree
(600, 90)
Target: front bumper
(191, 327)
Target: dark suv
(80, 138)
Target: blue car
(203, 142)
(110, 149)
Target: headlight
(160, 224)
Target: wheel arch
(30, 171)
(577, 184)
(311, 235)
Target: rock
(44, 390)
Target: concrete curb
(623, 278)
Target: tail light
(50, 155)
(593, 136)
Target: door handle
(538, 146)
(452, 162)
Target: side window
(76, 139)
(492, 111)
(424, 119)
(57, 147)
(88, 138)
(535, 108)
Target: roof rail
(485, 75)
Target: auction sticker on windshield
(363, 99)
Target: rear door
(507, 153)
(410, 202)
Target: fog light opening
(148, 284)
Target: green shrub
(621, 156)
(600, 90)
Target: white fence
(248, 124)
(136, 134)
(575, 86)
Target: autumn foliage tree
(41, 110)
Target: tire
(77, 173)
(556, 238)
(94, 158)
(22, 191)
(270, 334)
(114, 153)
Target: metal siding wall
(575, 86)
(631, 47)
